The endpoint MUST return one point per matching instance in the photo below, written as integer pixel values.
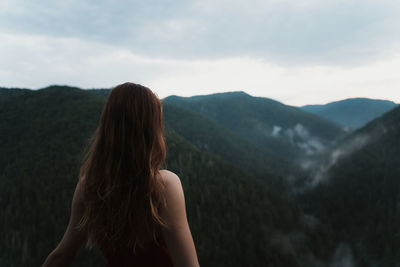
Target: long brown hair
(119, 175)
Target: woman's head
(119, 174)
(131, 122)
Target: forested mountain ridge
(12, 91)
(211, 137)
(42, 135)
(353, 112)
(272, 126)
(358, 195)
(236, 220)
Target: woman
(123, 203)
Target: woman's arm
(65, 252)
(177, 234)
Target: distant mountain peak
(357, 100)
(352, 112)
(221, 94)
(235, 93)
(60, 87)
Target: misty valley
(266, 184)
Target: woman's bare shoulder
(174, 195)
(169, 178)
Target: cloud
(34, 61)
(304, 32)
(37, 61)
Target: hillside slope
(272, 126)
(358, 194)
(211, 137)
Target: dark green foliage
(236, 220)
(352, 113)
(5, 92)
(210, 137)
(41, 136)
(360, 198)
(232, 216)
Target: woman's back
(177, 235)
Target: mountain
(236, 220)
(286, 131)
(352, 113)
(209, 136)
(41, 138)
(358, 192)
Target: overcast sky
(295, 51)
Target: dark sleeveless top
(152, 256)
